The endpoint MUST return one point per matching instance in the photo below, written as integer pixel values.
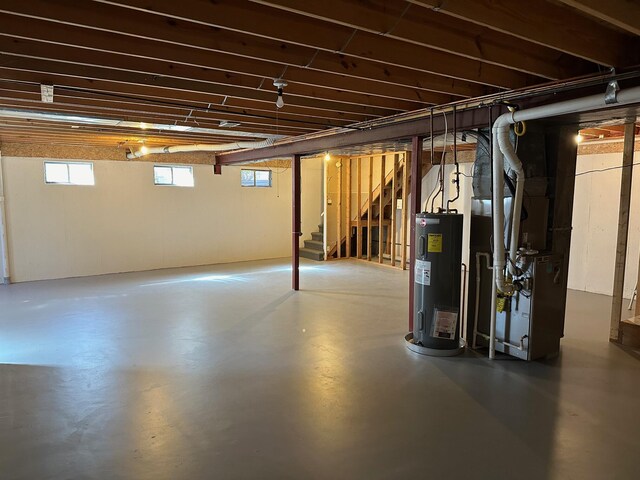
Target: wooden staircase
(314, 248)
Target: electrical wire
(441, 171)
(606, 169)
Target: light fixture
(144, 150)
(279, 84)
(579, 138)
(228, 124)
(46, 93)
(327, 157)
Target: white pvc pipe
(515, 164)
(503, 150)
(4, 248)
(201, 147)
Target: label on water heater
(434, 244)
(444, 324)
(423, 272)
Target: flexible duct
(500, 134)
(201, 147)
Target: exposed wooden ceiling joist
(233, 52)
(624, 14)
(346, 61)
(403, 21)
(36, 73)
(305, 36)
(115, 66)
(547, 24)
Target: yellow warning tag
(434, 244)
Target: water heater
(437, 281)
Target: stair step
(314, 245)
(317, 236)
(312, 254)
(321, 228)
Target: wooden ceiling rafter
(624, 14)
(35, 72)
(84, 101)
(426, 28)
(240, 53)
(201, 62)
(547, 24)
(110, 65)
(289, 32)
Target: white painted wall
(126, 223)
(595, 226)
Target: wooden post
(638, 286)
(295, 223)
(405, 209)
(370, 205)
(381, 211)
(339, 213)
(416, 201)
(392, 227)
(623, 232)
(358, 204)
(348, 215)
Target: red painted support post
(296, 227)
(415, 207)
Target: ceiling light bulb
(579, 138)
(327, 157)
(279, 84)
(144, 150)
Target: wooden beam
(381, 211)
(339, 212)
(624, 14)
(623, 233)
(279, 26)
(416, 203)
(358, 202)
(144, 54)
(426, 28)
(112, 66)
(218, 28)
(369, 210)
(392, 227)
(181, 44)
(295, 223)
(193, 95)
(405, 208)
(554, 26)
(348, 209)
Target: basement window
(69, 173)
(255, 178)
(177, 176)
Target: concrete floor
(222, 372)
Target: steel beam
(295, 221)
(467, 119)
(416, 203)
